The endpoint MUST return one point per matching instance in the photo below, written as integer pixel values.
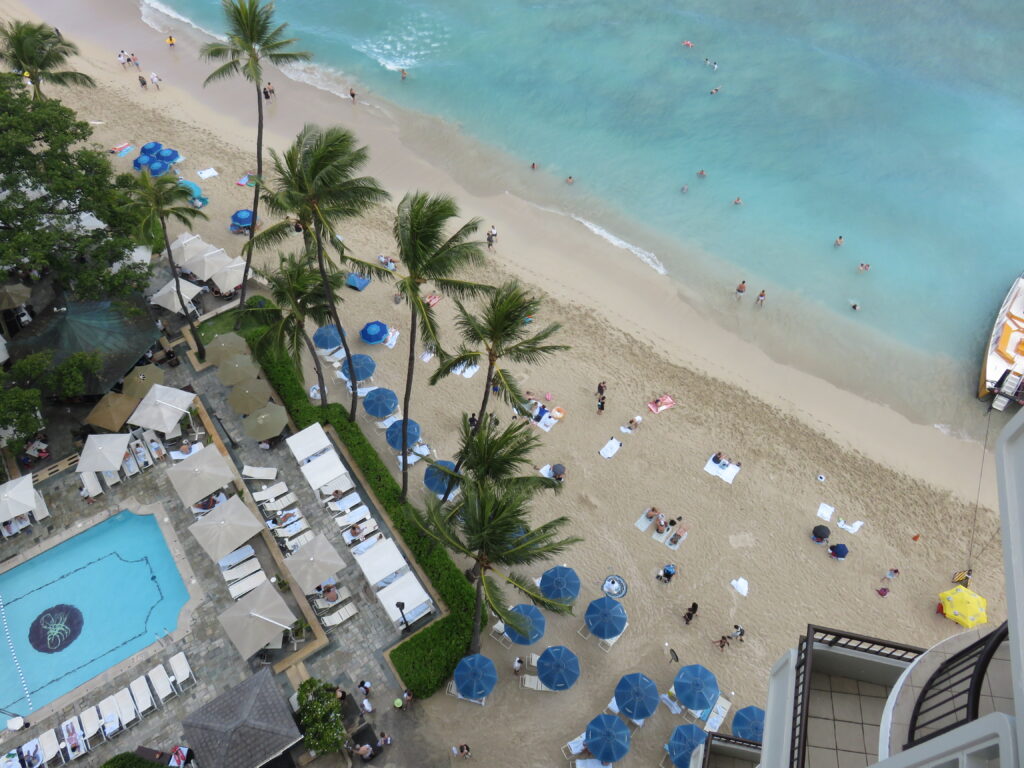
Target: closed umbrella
(363, 365)
(748, 723)
(17, 497)
(249, 396)
(380, 402)
(13, 295)
(684, 739)
(237, 368)
(224, 346)
(437, 479)
(475, 676)
(151, 148)
(696, 687)
(112, 411)
(141, 380)
(269, 421)
(374, 333)
(225, 528)
(605, 617)
(558, 668)
(201, 474)
(560, 583)
(394, 433)
(102, 453)
(534, 626)
(327, 337)
(257, 619)
(636, 696)
(964, 606)
(607, 738)
(314, 563)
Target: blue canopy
(394, 433)
(151, 148)
(560, 583)
(558, 668)
(682, 742)
(355, 281)
(436, 480)
(636, 696)
(168, 155)
(696, 687)
(327, 337)
(380, 402)
(363, 365)
(374, 333)
(607, 738)
(158, 168)
(142, 161)
(475, 676)
(605, 617)
(748, 723)
(536, 625)
(242, 218)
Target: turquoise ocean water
(896, 124)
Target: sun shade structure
(257, 619)
(224, 346)
(605, 618)
(534, 628)
(267, 422)
(246, 727)
(374, 333)
(112, 411)
(964, 606)
(206, 265)
(696, 687)
(380, 402)
(394, 434)
(324, 468)
(199, 475)
(230, 277)
(748, 723)
(682, 742)
(636, 696)
(475, 676)
(162, 408)
(308, 442)
(315, 562)
(225, 528)
(17, 497)
(437, 479)
(364, 367)
(607, 738)
(103, 452)
(560, 583)
(141, 379)
(237, 368)
(249, 396)
(167, 296)
(327, 337)
(558, 668)
(13, 295)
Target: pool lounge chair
(141, 695)
(498, 633)
(533, 683)
(181, 670)
(161, 682)
(240, 571)
(91, 483)
(282, 503)
(294, 544)
(232, 559)
(326, 606)
(259, 473)
(453, 691)
(111, 718)
(92, 724)
(126, 708)
(368, 529)
(245, 586)
(342, 483)
(291, 530)
(74, 738)
(336, 618)
(606, 645)
(49, 746)
(353, 516)
(389, 420)
(346, 503)
(271, 493)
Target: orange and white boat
(1002, 371)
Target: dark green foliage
(320, 717)
(23, 385)
(127, 760)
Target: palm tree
(156, 201)
(316, 183)
(428, 256)
(252, 40)
(38, 51)
(297, 297)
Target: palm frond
(450, 363)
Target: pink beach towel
(663, 403)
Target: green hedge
(428, 658)
(127, 760)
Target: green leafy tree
(320, 717)
(37, 51)
(28, 380)
(497, 456)
(316, 182)
(429, 256)
(52, 186)
(253, 39)
(156, 200)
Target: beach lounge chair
(326, 606)
(350, 538)
(49, 746)
(336, 618)
(345, 503)
(531, 660)
(533, 683)
(181, 670)
(292, 529)
(92, 724)
(240, 571)
(575, 747)
(389, 420)
(130, 466)
(392, 338)
(279, 504)
(126, 708)
(271, 493)
(161, 682)
(342, 484)
(141, 695)
(91, 483)
(111, 717)
(453, 691)
(606, 645)
(259, 473)
(498, 633)
(353, 516)
(111, 477)
(299, 541)
(234, 558)
(245, 586)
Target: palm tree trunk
(332, 303)
(483, 411)
(405, 405)
(318, 368)
(200, 349)
(474, 643)
(255, 202)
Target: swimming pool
(83, 606)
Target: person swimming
(713, 91)
(839, 242)
(685, 188)
(702, 173)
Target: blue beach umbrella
(151, 148)
(696, 687)
(636, 696)
(682, 742)
(157, 168)
(560, 583)
(191, 186)
(327, 337)
(142, 161)
(536, 624)
(242, 218)
(839, 550)
(558, 668)
(475, 676)
(380, 402)
(168, 155)
(394, 433)
(607, 738)
(436, 480)
(374, 333)
(363, 366)
(605, 617)
(748, 723)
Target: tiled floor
(842, 727)
(723, 761)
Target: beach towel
(679, 543)
(243, 182)
(470, 371)
(547, 422)
(740, 585)
(427, 356)
(662, 537)
(727, 472)
(851, 527)
(625, 430)
(610, 448)
(643, 522)
(825, 512)
(209, 173)
(546, 471)
(120, 148)
(665, 403)
(432, 300)
(126, 151)
(392, 338)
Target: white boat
(1002, 371)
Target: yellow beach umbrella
(965, 607)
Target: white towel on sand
(469, 372)
(851, 527)
(392, 339)
(611, 448)
(825, 512)
(740, 585)
(209, 173)
(547, 422)
(546, 471)
(727, 472)
(644, 522)
(427, 356)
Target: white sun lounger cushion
(366, 530)
(284, 501)
(388, 421)
(337, 617)
(110, 715)
(140, 694)
(161, 682)
(271, 493)
(246, 585)
(49, 745)
(91, 722)
(126, 707)
(353, 516)
(345, 503)
(341, 483)
(241, 570)
(232, 559)
(299, 541)
(181, 670)
(259, 473)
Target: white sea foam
(152, 12)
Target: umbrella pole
(258, 616)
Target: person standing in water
(404, 74)
(741, 289)
(759, 301)
(352, 94)
(838, 243)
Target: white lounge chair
(453, 691)
(335, 618)
(498, 633)
(49, 746)
(126, 708)
(342, 483)
(364, 531)
(91, 483)
(92, 724)
(606, 645)
(111, 477)
(161, 682)
(111, 717)
(292, 529)
(388, 421)
(234, 558)
(533, 683)
(352, 517)
(141, 695)
(299, 541)
(271, 493)
(246, 585)
(241, 570)
(326, 605)
(259, 473)
(181, 670)
(345, 503)
(74, 738)
(282, 503)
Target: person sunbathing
(677, 536)
(723, 461)
(355, 531)
(652, 513)
(330, 594)
(661, 524)
(283, 519)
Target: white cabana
(162, 408)
(167, 297)
(102, 453)
(17, 497)
(406, 589)
(188, 246)
(310, 441)
(380, 561)
(206, 265)
(230, 276)
(324, 468)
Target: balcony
(725, 751)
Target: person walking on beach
(690, 613)
(759, 301)
(737, 633)
(123, 58)
(142, 82)
(266, 94)
(517, 666)
(270, 88)
(600, 405)
(490, 241)
(601, 388)
(473, 421)
(721, 642)
(154, 78)
(493, 232)
(741, 289)
(135, 61)
(171, 41)
(352, 94)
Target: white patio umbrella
(102, 452)
(314, 563)
(199, 475)
(189, 246)
(167, 297)
(257, 619)
(162, 408)
(229, 276)
(16, 498)
(226, 528)
(206, 265)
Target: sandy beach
(913, 486)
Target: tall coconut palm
(39, 52)
(493, 531)
(428, 255)
(297, 296)
(156, 201)
(315, 182)
(252, 40)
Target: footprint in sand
(742, 540)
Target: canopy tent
(380, 402)
(237, 368)
(162, 408)
(141, 380)
(534, 625)
(748, 723)
(636, 696)
(230, 275)
(475, 676)
(269, 421)
(206, 265)
(380, 561)
(406, 589)
(199, 475)
(103, 452)
(558, 668)
(112, 411)
(696, 687)
(314, 563)
(560, 583)
(607, 738)
(167, 296)
(17, 497)
(248, 396)
(225, 528)
(324, 468)
(224, 346)
(309, 441)
(120, 335)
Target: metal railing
(952, 694)
(724, 738)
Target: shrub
(320, 717)
(127, 760)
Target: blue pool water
(83, 606)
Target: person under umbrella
(820, 534)
(838, 551)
